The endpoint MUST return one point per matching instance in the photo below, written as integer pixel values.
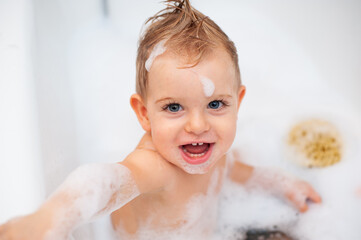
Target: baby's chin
(202, 168)
(195, 170)
(176, 159)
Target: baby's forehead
(212, 64)
(217, 58)
(214, 73)
(192, 58)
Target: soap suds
(91, 191)
(196, 168)
(208, 85)
(276, 182)
(158, 49)
(263, 139)
(198, 220)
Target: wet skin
(175, 114)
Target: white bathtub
(67, 72)
(21, 170)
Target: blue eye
(174, 107)
(215, 104)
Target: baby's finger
(313, 196)
(298, 200)
(307, 195)
(303, 207)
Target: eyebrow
(223, 96)
(216, 96)
(164, 99)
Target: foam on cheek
(90, 191)
(157, 50)
(208, 85)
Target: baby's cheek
(160, 125)
(230, 137)
(164, 132)
(226, 131)
(229, 127)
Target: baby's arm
(275, 181)
(90, 191)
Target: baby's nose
(197, 123)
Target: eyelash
(222, 101)
(165, 107)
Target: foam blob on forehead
(158, 49)
(208, 85)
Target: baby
(188, 95)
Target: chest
(185, 209)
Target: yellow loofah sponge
(317, 143)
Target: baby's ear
(241, 93)
(138, 105)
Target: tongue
(196, 149)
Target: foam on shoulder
(91, 191)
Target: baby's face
(192, 112)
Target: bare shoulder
(239, 171)
(149, 169)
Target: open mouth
(196, 153)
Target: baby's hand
(294, 190)
(299, 193)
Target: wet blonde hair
(187, 32)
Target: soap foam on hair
(158, 49)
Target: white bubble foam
(274, 181)
(89, 192)
(198, 220)
(196, 168)
(208, 85)
(262, 139)
(158, 49)
(242, 209)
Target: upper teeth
(195, 144)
